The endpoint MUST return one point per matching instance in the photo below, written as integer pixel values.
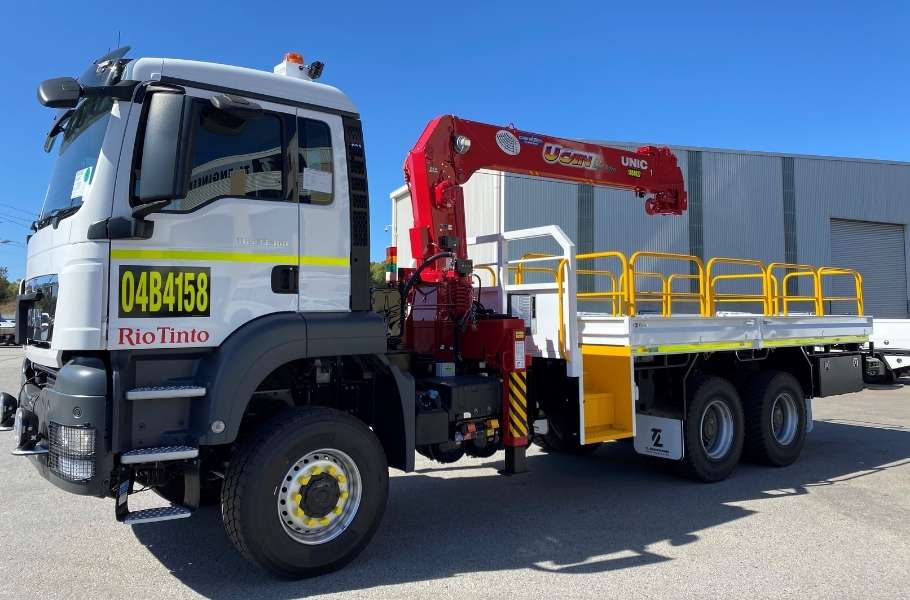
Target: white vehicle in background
(7, 331)
(889, 350)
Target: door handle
(284, 279)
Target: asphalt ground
(614, 524)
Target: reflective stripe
(518, 405)
(247, 257)
(325, 261)
(843, 339)
(669, 348)
(519, 383)
(718, 346)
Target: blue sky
(804, 77)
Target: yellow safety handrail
(651, 295)
(624, 297)
(673, 296)
(699, 296)
(857, 283)
(489, 270)
(560, 269)
(617, 294)
(715, 297)
(779, 300)
(613, 294)
(521, 269)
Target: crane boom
(450, 150)
(442, 324)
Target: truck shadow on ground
(567, 515)
(897, 384)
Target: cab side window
(233, 157)
(315, 177)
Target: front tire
(713, 430)
(775, 419)
(306, 493)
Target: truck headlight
(71, 451)
(71, 469)
(72, 441)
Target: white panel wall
(482, 195)
(743, 206)
(848, 189)
(743, 216)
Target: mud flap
(659, 436)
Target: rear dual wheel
(775, 419)
(713, 431)
(769, 427)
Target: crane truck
(198, 318)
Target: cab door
(325, 217)
(227, 252)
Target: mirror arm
(122, 90)
(127, 228)
(155, 87)
(143, 210)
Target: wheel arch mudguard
(232, 373)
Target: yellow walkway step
(605, 433)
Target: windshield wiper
(55, 215)
(57, 127)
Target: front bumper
(72, 412)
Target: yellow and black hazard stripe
(518, 404)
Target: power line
(16, 224)
(15, 219)
(30, 214)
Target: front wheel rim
(784, 419)
(319, 496)
(716, 429)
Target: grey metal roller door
(877, 251)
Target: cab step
(153, 515)
(163, 392)
(158, 454)
(159, 513)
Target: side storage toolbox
(837, 373)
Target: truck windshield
(77, 156)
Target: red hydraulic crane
(443, 324)
(450, 150)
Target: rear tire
(775, 419)
(713, 431)
(352, 483)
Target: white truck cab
(245, 227)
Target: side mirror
(60, 92)
(162, 172)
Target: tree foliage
(8, 289)
(377, 273)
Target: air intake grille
(360, 215)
